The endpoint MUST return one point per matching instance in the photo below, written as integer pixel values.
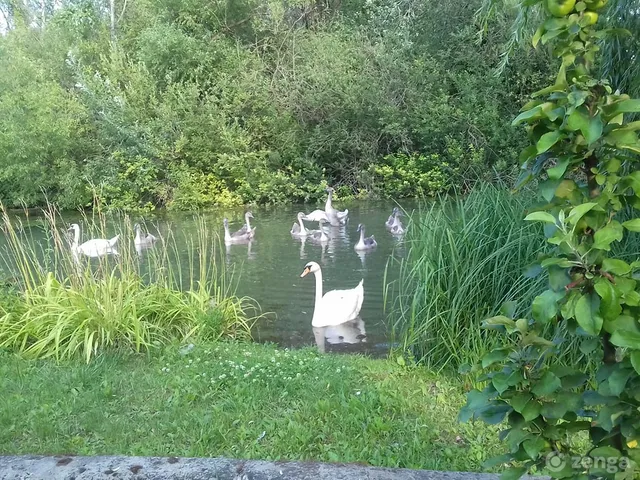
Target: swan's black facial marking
(306, 270)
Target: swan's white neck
(76, 237)
(138, 234)
(303, 231)
(227, 235)
(318, 275)
(327, 205)
(246, 218)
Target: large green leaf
(604, 237)
(632, 225)
(578, 120)
(615, 266)
(548, 384)
(494, 356)
(610, 306)
(531, 410)
(634, 356)
(513, 473)
(541, 217)
(626, 338)
(593, 130)
(544, 306)
(625, 106)
(548, 140)
(587, 315)
(579, 211)
(555, 173)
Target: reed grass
(466, 258)
(57, 307)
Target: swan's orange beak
(305, 271)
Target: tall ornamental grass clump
(466, 257)
(56, 307)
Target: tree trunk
(112, 16)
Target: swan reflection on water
(250, 254)
(349, 333)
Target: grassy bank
(241, 400)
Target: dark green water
(269, 269)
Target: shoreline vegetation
(108, 358)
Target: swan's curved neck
(76, 236)
(227, 235)
(327, 206)
(302, 229)
(361, 234)
(138, 233)
(246, 218)
(318, 275)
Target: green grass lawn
(240, 400)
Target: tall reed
(61, 308)
(466, 257)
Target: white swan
(335, 217)
(236, 237)
(246, 227)
(365, 243)
(96, 247)
(319, 235)
(392, 218)
(143, 241)
(298, 229)
(336, 306)
(316, 216)
(393, 223)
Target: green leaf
(548, 140)
(548, 384)
(557, 172)
(541, 217)
(544, 306)
(593, 130)
(625, 106)
(498, 321)
(476, 401)
(587, 315)
(533, 447)
(533, 114)
(578, 120)
(605, 452)
(494, 356)
(588, 345)
(615, 266)
(634, 356)
(537, 36)
(626, 338)
(513, 473)
(632, 225)
(579, 211)
(519, 401)
(604, 237)
(617, 381)
(531, 411)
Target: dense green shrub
(193, 105)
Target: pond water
(269, 269)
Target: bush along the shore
(561, 420)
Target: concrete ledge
(33, 467)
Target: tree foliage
(193, 104)
(584, 151)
